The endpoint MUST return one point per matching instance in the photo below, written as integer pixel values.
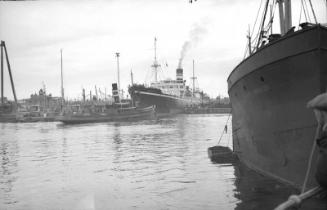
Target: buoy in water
(221, 154)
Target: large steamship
(169, 96)
(273, 130)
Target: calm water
(159, 164)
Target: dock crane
(4, 51)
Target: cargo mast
(118, 75)
(155, 64)
(193, 79)
(62, 80)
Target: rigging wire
(270, 24)
(300, 16)
(313, 12)
(258, 34)
(262, 23)
(271, 20)
(253, 41)
(306, 8)
(225, 129)
(256, 18)
(246, 50)
(304, 12)
(263, 29)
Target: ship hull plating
(273, 131)
(165, 104)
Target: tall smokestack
(179, 74)
(115, 93)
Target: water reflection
(9, 166)
(140, 165)
(255, 191)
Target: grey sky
(90, 32)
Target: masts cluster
(285, 22)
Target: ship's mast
(249, 41)
(281, 16)
(118, 76)
(155, 64)
(44, 95)
(132, 82)
(285, 15)
(271, 18)
(83, 95)
(96, 92)
(62, 79)
(288, 14)
(193, 78)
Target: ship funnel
(115, 92)
(179, 74)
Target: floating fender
(321, 172)
(221, 154)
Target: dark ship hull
(273, 131)
(125, 114)
(165, 104)
(8, 112)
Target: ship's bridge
(171, 87)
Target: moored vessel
(273, 130)
(170, 96)
(39, 107)
(102, 111)
(108, 114)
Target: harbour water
(160, 164)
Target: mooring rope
(222, 133)
(295, 200)
(307, 174)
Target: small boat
(7, 112)
(34, 113)
(105, 113)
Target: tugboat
(102, 111)
(99, 111)
(273, 130)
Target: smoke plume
(195, 35)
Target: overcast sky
(90, 32)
